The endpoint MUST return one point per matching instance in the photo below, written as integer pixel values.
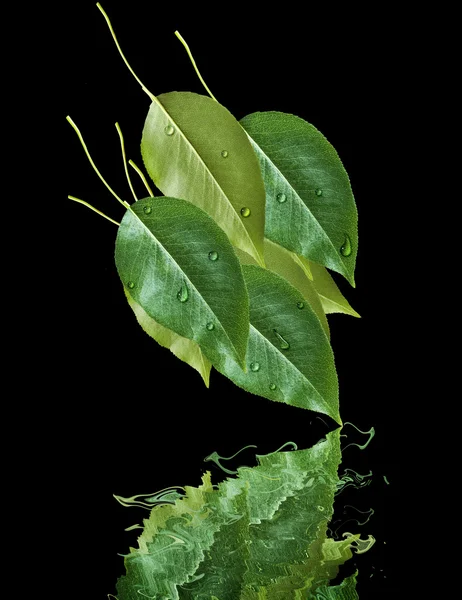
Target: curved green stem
(122, 54)
(191, 58)
(124, 158)
(93, 208)
(77, 131)
(143, 178)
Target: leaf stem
(93, 208)
(143, 178)
(76, 129)
(191, 58)
(145, 89)
(124, 158)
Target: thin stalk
(122, 54)
(124, 158)
(143, 178)
(93, 208)
(183, 41)
(76, 129)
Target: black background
(133, 418)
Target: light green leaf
(310, 207)
(193, 148)
(289, 358)
(184, 349)
(332, 299)
(180, 267)
(289, 266)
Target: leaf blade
(163, 256)
(190, 163)
(332, 299)
(184, 349)
(304, 374)
(301, 168)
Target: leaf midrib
(172, 259)
(305, 207)
(293, 366)
(207, 171)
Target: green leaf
(310, 207)
(302, 374)
(260, 535)
(208, 160)
(179, 266)
(289, 266)
(331, 297)
(184, 349)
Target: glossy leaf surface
(179, 266)
(193, 148)
(289, 266)
(289, 358)
(332, 299)
(310, 207)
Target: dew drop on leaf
(130, 285)
(345, 249)
(318, 191)
(321, 508)
(169, 130)
(245, 211)
(283, 344)
(213, 255)
(183, 294)
(272, 387)
(281, 197)
(147, 210)
(254, 366)
(300, 305)
(210, 326)
(224, 153)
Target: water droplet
(224, 153)
(346, 249)
(245, 211)
(131, 285)
(281, 197)
(210, 326)
(283, 344)
(318, 191)
(183, 294)
(147, 210)
(300, 305)
(272, 387)
(169, 130)
(321, 508)
(254, 366)
(213, 255)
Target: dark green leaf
(289, 358)
(179, 266)
(310, 207)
